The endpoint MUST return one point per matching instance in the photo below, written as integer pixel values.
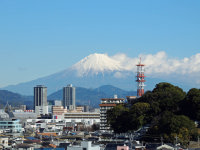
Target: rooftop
(115, 99)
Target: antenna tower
(140, 79)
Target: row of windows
(6, 123)
(82, 114)
(81, 117)
(9, 127)
(105, 108)
(16, 126)
(112, 102)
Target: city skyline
(40, 38)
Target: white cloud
(160, 64)
(126, 62)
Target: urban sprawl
(62, 125)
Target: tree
(191, 105)
(95, 127)
(115, 118)
(113, 113)
(123, 120)
(170, 126)
(138, 115)
(140, 108)
(164, 96)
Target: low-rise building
(88, 118)
(58, 110)
(79, 108)
(85, 145)
(11, 125)
(25, 115)
(4, 142)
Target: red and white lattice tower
(140, 79)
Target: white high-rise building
(40, 100)
(106, 104)
(69, 98)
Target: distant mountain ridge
(14, 99)
(93, 96)
(84, 96)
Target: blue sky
(38, 38)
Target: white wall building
(106, 104)
(88, 118)
(85, 145)
(4, 141)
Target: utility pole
(176, 141)
(161, 139)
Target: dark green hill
(14, 99)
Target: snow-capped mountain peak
(95, 64)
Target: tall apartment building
(106, 104)
(40, 100)
(69, 94)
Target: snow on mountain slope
(95, 64)
(92, 71)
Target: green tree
(169, 96)
(116, 118)
(113, 113)
(164, 96)
(191, 105)
(169, 126)
(139, 115)
(140, 108)
(95, 127)
(122, 120)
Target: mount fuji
(92, 71)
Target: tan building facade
(58, 110)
